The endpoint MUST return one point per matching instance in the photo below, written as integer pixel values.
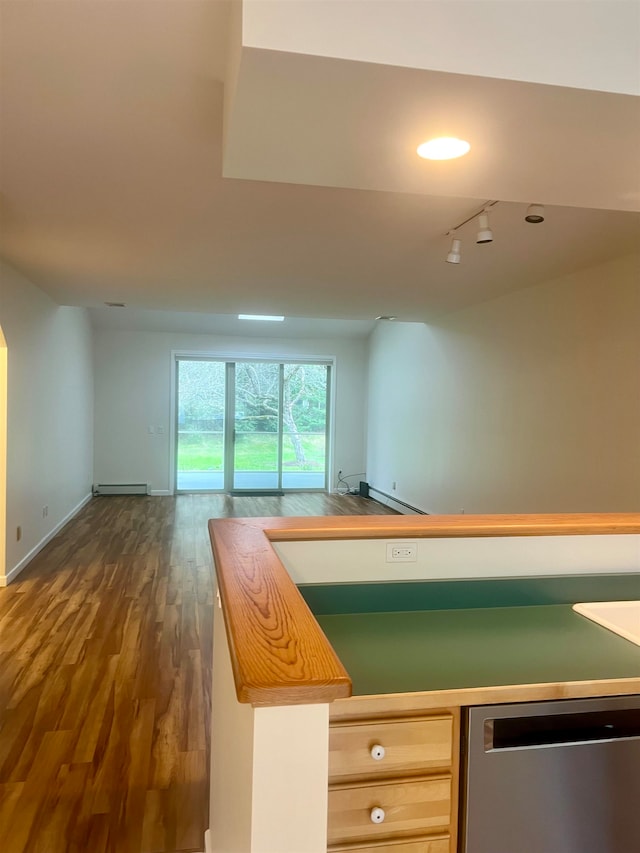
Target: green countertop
(408, 651)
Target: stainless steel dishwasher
(553, 777)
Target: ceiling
(118, 184)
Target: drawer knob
(377, 752)
(377, 815)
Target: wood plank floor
(105, 675)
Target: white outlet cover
(402, 552)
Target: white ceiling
(329, 122)
(112, 187)
(192, 323)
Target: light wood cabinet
(411, 746)
(393, 784)
(406, 807)
(433, 844)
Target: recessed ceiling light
(386, 317)
(443, 148)
(269, 317)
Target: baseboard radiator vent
(121, 489)
(390, 500)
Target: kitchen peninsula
(340, 674)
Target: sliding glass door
(200, 425)
(251, 426)
(304, 425)
(257, 432)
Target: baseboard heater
(121, 489)
(395, 500)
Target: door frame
(277, 357)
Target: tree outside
(304, 412)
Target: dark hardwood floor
(105, 675)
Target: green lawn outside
(254, 452)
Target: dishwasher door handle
(533, 732)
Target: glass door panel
(304, 417)
(257, 426)
(200, 425)
(251, 425)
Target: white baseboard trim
(207, 842)
(155, 493)
(15, 571)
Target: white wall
(49, 414)
(527, 403)
(458, 558)
(269, 769)
(589, 45)
(133, 384)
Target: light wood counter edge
(445, 526)
(279, 653)
(394, 705)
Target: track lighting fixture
(454, 252)
(535, 213)
(485, 234)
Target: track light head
(535, 213)
(454, 252)
(485, 234)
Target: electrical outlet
(393, 485)
(45, 510)
(18, 533)
(402, 552)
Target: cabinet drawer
(410, 807)
(439, 844)
(410, 746)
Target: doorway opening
(251, 425)
(4, 391)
